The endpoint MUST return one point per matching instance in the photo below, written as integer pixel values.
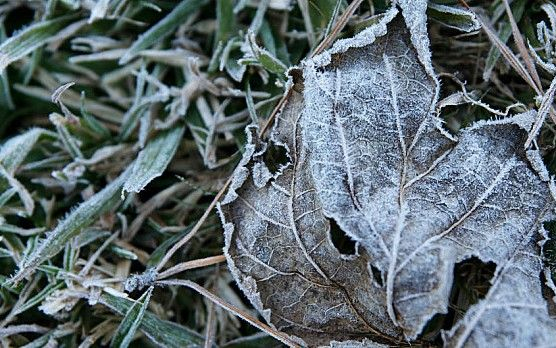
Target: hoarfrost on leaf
(367, 152)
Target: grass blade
(5, 94)
(184, 266)
(454, 17)
(73, 101)
(544, 110)
(38, 298)
(509, 56)
(257, 340)
(162, 332)
(85, 214)
(335, 13)
(154, 159)
(259, 15)
(504, 33)
(233, 309)
(24, 195)
(521, 47)
(304, 7)
(265, 58)
(162, 29)
(226, 21)
(340, 24)
(14, 151)
(132, 320)
(31, 38)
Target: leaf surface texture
(365, 151)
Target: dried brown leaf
(366, 152)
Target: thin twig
(276, 110)
(17, 329)
(233, 309)
(184, 266)
(195, 228)
(528, 74)
(210, 330)
(510, 56)
(342, 21)
(91, 261)
(518, 39)
(304, 7)
(216, 198)
(544, 109)
(338, 27)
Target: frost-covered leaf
(514, 312)
(356, 344)
(365, 152)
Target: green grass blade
(5, 94)
(6, 196)
(70, 143)
(226, 21)
(259, 16)
(454, 17)
(163, 333)
(154, 159)
(38, 298)
(162, 29)
(31, 38)
(132, 320)
(23, 193)
(162, 249)
(251, 104)
(90, 122)
(14, 151)
(85, 214)
(266, 59)
(504, 33)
